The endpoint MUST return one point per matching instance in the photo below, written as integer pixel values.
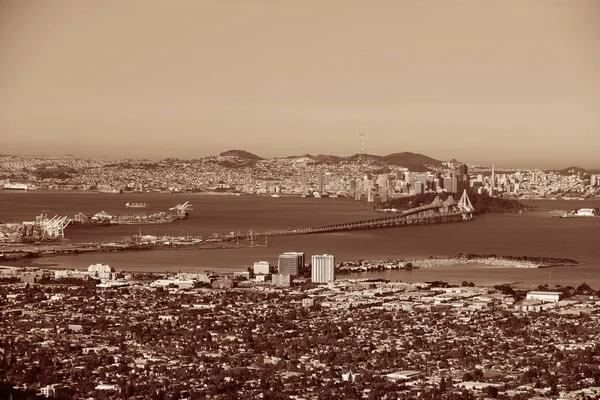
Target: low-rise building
(281, 279)
(546, 297)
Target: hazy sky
(510, 82)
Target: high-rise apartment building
(291, 263)
(323, 268)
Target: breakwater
(491, 260)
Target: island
(483, 203)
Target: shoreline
(519, 262)
(209, 193)
(20, 252)
(344, 267)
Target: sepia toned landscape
(260, 199)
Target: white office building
(323, 268)
(262, 267)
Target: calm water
(532, 234)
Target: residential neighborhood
(65, 337)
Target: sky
(515, 83)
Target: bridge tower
(465, 206)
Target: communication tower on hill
(362, 143)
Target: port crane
(182, 210)
(182, 207)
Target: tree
(442, 385)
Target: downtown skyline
(512, 83)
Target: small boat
(137, 205)
(275, 195)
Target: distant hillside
(412, 161)
(577, 170)
(241, 154)
(326, 158)
(365, 158)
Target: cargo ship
(137, 205)
(103, 218)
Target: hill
(368, 158)
(577, 170)
(241, 154)
(413, 161)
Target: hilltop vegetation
(413, 161)
(483, 203)
(241, 154)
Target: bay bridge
(437, 212)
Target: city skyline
(513, 84)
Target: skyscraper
(493, 182)
(454, 184)
(291, 263)
(419, 188)
(320, 180)
(323, 268)
(463, 178)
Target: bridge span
(437, 212)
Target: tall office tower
(594, 180)
(446, 183)
(323, 268)
(404, 187)
(493, 182)
(291, 263)
(320, 180)
(463, 170)
(463, 178)
(454, 185)
(327, 180)
(419, 188)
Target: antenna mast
(362, 142)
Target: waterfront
(527, 234)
